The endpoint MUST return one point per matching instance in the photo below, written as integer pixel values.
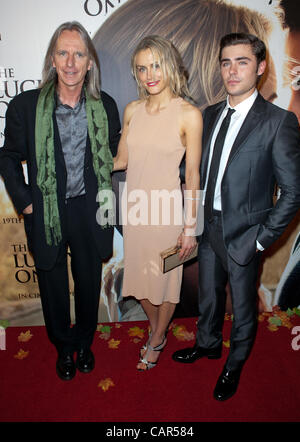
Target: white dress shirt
(237, 119)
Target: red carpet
(116, 392)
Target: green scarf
(46, 175)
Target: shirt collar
(243, 107)
(59, 103)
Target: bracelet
(188, 235)
(192, 199)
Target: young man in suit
(66, 131)
(249, 145)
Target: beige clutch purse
(169, 259)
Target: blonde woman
(158, 129)
(195, 28)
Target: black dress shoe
(191, 354)
(85, 361)
(227, 384)
(65, 367)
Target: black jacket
(19, 146)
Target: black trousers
(86, 266)
(216, 268)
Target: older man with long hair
(67, 131)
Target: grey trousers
(216, 268)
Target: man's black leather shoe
(191, 354)
(85, 361)
(227, 384)
(65, 367)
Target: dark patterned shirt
(72, 126)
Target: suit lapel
(251, 121)
(209, 127)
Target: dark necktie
(214, 166)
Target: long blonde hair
(169, 59)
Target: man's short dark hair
(257, 45)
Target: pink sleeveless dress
(152, 218)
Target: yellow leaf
(266, 314)
(105, 384)
(136, 332)
(104, 336)
(113, 343)
(118, 325)
(25, 337)
(226, 343)
(180, 332)
(136, 340)
(21, 354)
(272, 327)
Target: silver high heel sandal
(145, 346)
(145, 361)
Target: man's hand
(28, 210)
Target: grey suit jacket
(266, 151)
